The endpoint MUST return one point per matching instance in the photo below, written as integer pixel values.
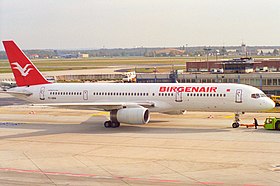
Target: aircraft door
(178, 96)
(42, 93)
(85, 95)
(238, 96)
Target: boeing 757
(132, 103)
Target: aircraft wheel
(107, 124)
(277, 125)
(115, 124)
(235, 125)
(118, 124)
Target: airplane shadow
(94, 125)
(11, 101)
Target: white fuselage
(167, 97)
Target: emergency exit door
(238, 96)
(85, 95)
(178, 97)
(42, 93)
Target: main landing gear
(111, 124)
(236, 120)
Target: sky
(90, 24)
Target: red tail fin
(24, 71)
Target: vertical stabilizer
(24, 70)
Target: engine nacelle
(131, 115)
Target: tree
(275, 52)
(223, 51)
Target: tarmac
(49, 146)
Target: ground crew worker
(256, 123)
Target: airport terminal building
(263, 74)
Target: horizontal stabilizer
(20, 95)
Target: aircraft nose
(269, 104)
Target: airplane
(132, 103)
(7, 84)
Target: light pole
(155, 71)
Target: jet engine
(130, 115)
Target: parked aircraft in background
(132, 103)
(7, 84)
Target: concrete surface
(47, 146)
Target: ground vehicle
(129, 77)
(272, 123)
(276, 99)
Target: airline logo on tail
(23, 71)
(26, 74)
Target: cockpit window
(255, 96)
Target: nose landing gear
(236, 120)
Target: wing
(107, 106)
